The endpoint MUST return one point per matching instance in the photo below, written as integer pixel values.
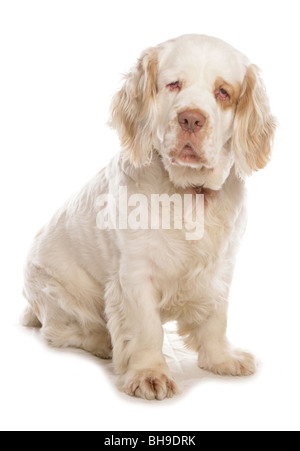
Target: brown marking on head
(232, 89)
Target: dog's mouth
(187, 156)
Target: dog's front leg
(215, 353)
(137, 337)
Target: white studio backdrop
(60, 63)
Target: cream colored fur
(110, 291)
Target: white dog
(193, 118)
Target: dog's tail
(29, 318)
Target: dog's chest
(191, 275)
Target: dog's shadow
(182, 363)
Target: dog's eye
(174, 86)
(222, 94)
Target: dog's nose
(191, 120)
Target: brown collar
(207, 192)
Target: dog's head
(201, 105)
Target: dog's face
(201, 105)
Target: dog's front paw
(235, 363)
(150, 385)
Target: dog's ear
(254, 126)
(133, 109)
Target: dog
(194, 121)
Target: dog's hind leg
(63, 321)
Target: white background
(61, 62)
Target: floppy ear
(133, 109)
(254, 126)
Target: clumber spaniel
(194, 120)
